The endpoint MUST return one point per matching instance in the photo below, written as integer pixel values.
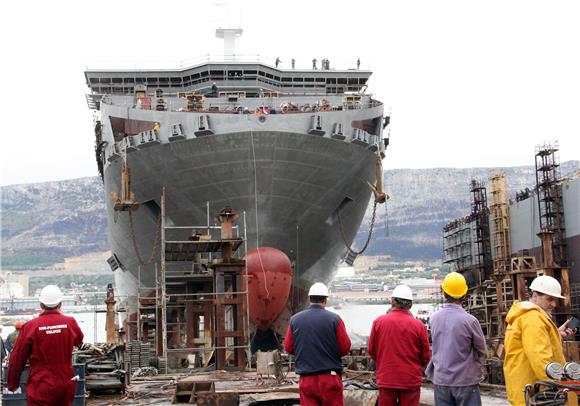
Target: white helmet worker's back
(318, 289)
(50, 296)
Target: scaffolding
(197, 312)
(552, 227)
(480, 212)
(500, 290)
(550, 204)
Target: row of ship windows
(130, 90)
(205, 78)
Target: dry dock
(243, 388)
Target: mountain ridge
(54, 220)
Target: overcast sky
(469, 83)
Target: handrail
(303, 64)
(303, 109)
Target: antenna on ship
(229, 35)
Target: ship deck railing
(303, 64)
(225, 107)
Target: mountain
(422, 201)
(42, 223)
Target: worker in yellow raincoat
(532, 339)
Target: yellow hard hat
(454, 285)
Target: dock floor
(159, 390)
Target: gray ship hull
(296, 182)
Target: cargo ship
(292, 149)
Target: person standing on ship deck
(318, 339)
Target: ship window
(105, 80)
(331, 81)
(250, 72)
(261, 73)
(129, 80)
(352, 81)
(216, 72)
(151, 80)
(204, 73)
(94, 80)
(308, 85)
(269, 76)
(362, 81)
(298, 80)
(195, 75)
(164, 85)
(185, 78)
(140, 80)
(117, 80)
(341, 81)
(234, 73)
(309, 79)
(277, 78)
(286, 85)
(286, 79)
(163, 80)
(322, 80)
(175, 80)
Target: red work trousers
(50, 393)
(399, 397)
(321, 390)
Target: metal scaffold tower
(550, 199)
(481, 271)
(201, 315)
(501, 288)
(480, 212)
(552, 227)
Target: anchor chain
(155, 242)
(368, 237)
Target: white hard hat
(318, 289)
(402, 292)
(50, 296)
(547, 285)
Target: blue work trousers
(457, 395)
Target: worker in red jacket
(318, 339)
(47, 342)
(399, 344)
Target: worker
(318, 339)
(532, 340)
(11, 339)
(458, 348)
(214, 90)
(47, 342)
(293, 63)
(314, 64)
(278, 61)
(399, 344)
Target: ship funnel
(229, 35)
